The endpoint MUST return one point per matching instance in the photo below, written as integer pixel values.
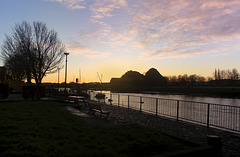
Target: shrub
(33, 91)
(4, 91)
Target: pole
(65, 85)
(58, 77)
(65, 90)
(80, 75)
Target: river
(212, 100)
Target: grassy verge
(42, 128)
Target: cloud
(189, 50)
(121, 39)
(218, 4)
(76, 48)
(162, 28)
(161, 54)
(182, 28)
(105, 8)
(71, 4)
(142, 44)
(96, 54)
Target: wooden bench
(93, 108)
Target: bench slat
(97, 108)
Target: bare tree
(40, 47)
(215, 74)
(235, 74)
(15, 68)
(219, 75)
(227, 74)
(192, 78)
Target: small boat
(100, 96)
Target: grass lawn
(44, 128)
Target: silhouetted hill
(133, 80)
(154, 78)
(132, 75)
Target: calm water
(213, 100)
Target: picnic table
(77, 99)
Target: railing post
(140, 104)
(89, 98)
(208, 112)
(128, 101)
(156, 106)
(177, 110)
(104, 101)
(118, 100)
(110, 99)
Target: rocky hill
(133, 80)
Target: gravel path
(180, 129)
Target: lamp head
(66, 53)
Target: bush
(33, 91)
(4, 91)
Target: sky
(111, 37)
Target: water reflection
(213, 100)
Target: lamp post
(58, 69)
(65, 90)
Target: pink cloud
(186, 27)
(105, 8)
(163, 28)
(142, 44)
(218, 4)
(76, 48)
(71, 4)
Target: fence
(221, 116)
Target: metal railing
(216, 115)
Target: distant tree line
(187, 78)
(217, 75)
(226, 74)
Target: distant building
(3, 72)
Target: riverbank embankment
(179, 129)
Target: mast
(80, 79)
(100, 79)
